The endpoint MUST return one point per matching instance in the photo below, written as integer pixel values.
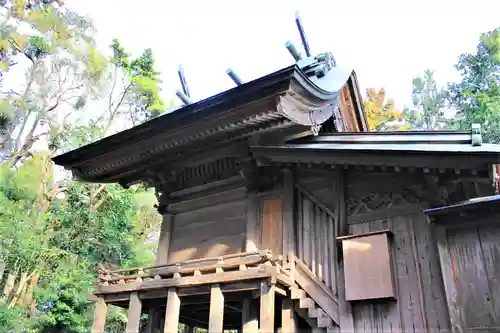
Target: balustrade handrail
(187, 266)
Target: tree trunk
(21, 287)
(28, 296)
(2, 269)
(9, 285)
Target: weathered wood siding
(210, 225)
(315, 226)
(470, 257)
(380, 201)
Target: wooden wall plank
(250, 317)
(312, 239)
(134, 314)
(300, 225)
(490, 244)
(252, 222)
(306, 219)
(338, 184)
(216, 318)
(288, 212)
(172, 312)
(272, 229)
(100, 312)
(267, 306)
(325, 250)
(318, 221)
(164, 240)
(408, 293)
(435, 307)
(332, 254)
(474, 296)
(218, 231)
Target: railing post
(101, 310)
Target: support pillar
(101, 310)
(216, 319)
(249, 317)
(172, 313)
(134, 314)
(288, 317)
(267, 302)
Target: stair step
(314, 312)
(324, 321)
(297, 293)
(306, 303)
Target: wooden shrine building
(281, 210)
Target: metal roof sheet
(408, 147)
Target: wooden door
(470, 262)
(272, 230)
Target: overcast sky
(387, 42)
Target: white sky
(387, 42)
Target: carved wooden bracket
(259, 178)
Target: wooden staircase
(309, 310)
(313, 301)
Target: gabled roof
(287, 99)
(435, 149)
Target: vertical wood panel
(319, 242)
(134, 314)
(252, 222)
(312, 238)
(164, 240)
(490, 243)
(331, 244)
(272, 226)
(435, 307)
(306, 218)
(474, 294)
(345, 308)
(288, 212)
(216, 319)
(325, 250)
(300, 226)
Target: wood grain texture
(100, 312)
(267, 306)
(368, 267)
(134, 314)
(216, 318)
(172, 312)
(272, 227)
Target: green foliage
(429, 104)
(144, 88)
(477, 95)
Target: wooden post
(164, 241)
(153, 321)
(216, 319)
(288, 317)
(172, 313)
(188, 329)
(345, 310)
(249, 317)
(252, 225)
(267, 307)
(101, 309)
(288, 212)
(134, 314)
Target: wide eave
(236, 114)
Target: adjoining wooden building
(268, 226)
